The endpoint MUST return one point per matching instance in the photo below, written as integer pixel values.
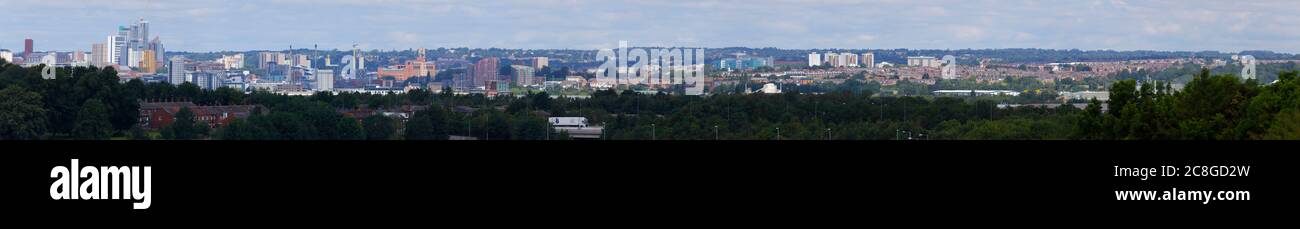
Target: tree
(379, 127)
(244, 129)
(1209, 106)
(1265, 110)
(1089, 126)
(529, 127)
(22, 114)
(93, 122)
(506, 70)
(1122, 93)
(1285, 127)
(189, 91)
(183, 127)
(541, 101)
(497, 125)
(563, 135)
(427, 124)
(137, 133)
(349, 129)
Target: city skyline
(205, 26)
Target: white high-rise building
(523, 75)
(541, 62)
(848, 60)
(7, 55)
(814, 59)
(96, 55)
(158, 49)
(79, 59)
(122, 46)
(112, 50)
(301, 60)
(922, 61)
(178, 74)
(205, 80)
(324, 79)
(266, 59)
(869, 60)
(135, 58)
(232, 62)
(831, 59)
(142, 28)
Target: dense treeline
(1184, 73)
(86, 103)
(90, 104)
(1210, 107)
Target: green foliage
(137, 133)
(93, 122)
(1210, 107)
(1285, 127)
(62, 97)
(529, 127)
(184, 127)
(379, 127)
(429, 124)
(293, 118)
(22, 114)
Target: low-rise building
(156, 115)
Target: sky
(239, 25)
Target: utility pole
(883, 106)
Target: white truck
(568, 121)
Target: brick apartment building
(156, 115)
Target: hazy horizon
(214, 26)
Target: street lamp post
(653, 129)
(715, 133)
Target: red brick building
(417, 68)
(156, 115)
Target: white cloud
(963, 32)
(1162, 28)
(404, 37)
